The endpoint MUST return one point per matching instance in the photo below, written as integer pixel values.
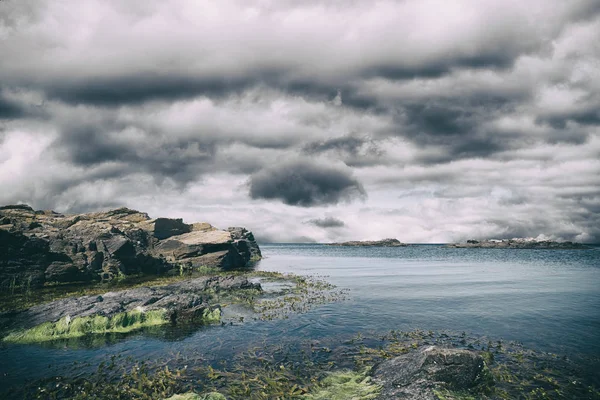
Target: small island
(371, 243)
(519, 243)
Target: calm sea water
(548, 300)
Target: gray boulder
(416, 375)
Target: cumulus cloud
(306, 183)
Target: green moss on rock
(67, 328)
(211, 316)
(344, 385)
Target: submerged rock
(373, 243)
(123, 311)
(519, 244)
(420, 374)
(45, 246)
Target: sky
(309, 120)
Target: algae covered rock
(124, 311)
(419, 374)
(45, 246)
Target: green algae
(344, 385)
(211, 316)
(67, 328)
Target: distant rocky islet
(519, 243)
(371, 243)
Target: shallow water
(547, 299)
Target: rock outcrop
(187, 301)
(372, 243)
(519, 244)
(419, 374)
(45, 246)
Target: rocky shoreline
(38, 247)
(519, 244)
(371, 243)
(189, 301)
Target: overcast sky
(428, 121)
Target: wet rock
(416, 375)
(185, 301)
(245, 243)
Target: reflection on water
(548, 300)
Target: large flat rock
(204, 237)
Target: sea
(546, 300)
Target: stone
(64, 272)
(164, 228)
(245, 243)
(417, 374)
(23, 260)
(204, 237)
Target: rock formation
(419, 374)
(181, 302)
(373, 243)
(45, 246)
(518, 244)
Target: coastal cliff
(38, 247)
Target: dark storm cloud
(306, 183)
(327, 222)
(123, 90)
(92, 145)
(10, 109)
(582, 117)
(354, 151)
(491, 58)
(348, 144)
(458, 129)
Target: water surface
(547, 299)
